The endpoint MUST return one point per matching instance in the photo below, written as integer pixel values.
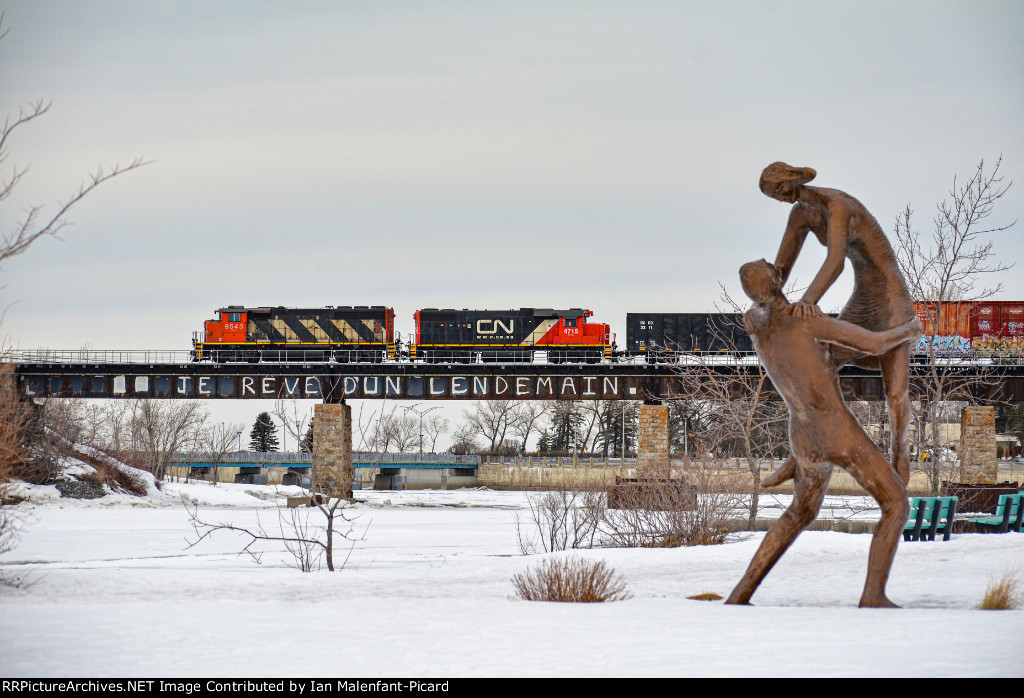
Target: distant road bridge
(113, 374)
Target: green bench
(930, 516)
(1007, 517)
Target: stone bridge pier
(332, 450)
(653, 457)
(978, 461)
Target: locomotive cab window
(234, 317)
(570, 323)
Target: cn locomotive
(464, 336)
(346, 334)
(366, 334)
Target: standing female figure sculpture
(880, 299)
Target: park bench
(1007, 517)
(929, 516)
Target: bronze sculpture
(880, 299)
(797, 351)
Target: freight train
(366, 334)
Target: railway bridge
(172, 375)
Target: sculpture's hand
(913, 330)
(803, 310)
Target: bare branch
(27, 231)
(307, 543)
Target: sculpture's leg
(785, 471)
(811, 482)
(873, 472)
(896, 377)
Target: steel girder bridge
(172, 375)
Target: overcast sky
(474, 154)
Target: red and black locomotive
(346, 334)
(466, 336)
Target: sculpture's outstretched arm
(848, 335)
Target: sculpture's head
(761, 280)
(782, 182)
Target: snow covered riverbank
(117, 592)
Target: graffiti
(983, 346)
(954, 344)
(999, 345)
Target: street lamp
(429, 409)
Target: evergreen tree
(544, 443)
(566, 421)
(616, 416)
(307, 440)
(263, 437)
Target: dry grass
(118, 479)
(571, 579)
(705, 596)
(1003, 595)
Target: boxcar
(662, 335)
(979, 328)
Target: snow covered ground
(117, 592)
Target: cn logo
(491, 326)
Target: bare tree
(529, 414)
(492, 420)
(739, 418)
(307, 542)
(562, 519)
(296, 423)
(433, 426)
(161, 428)
(216, 441)
(464, 440)
(950, 266)
(394, 432)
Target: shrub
(1003, 595)
(705, 596)
(692, 508)
(570, 579)
(561, 520)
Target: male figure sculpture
(796, 352)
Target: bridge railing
(96, 356)
(79, 357)
(580, 459)
(281, 459)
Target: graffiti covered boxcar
(977, 328)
